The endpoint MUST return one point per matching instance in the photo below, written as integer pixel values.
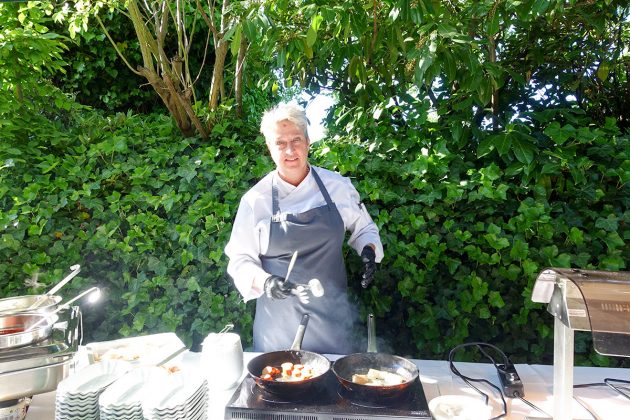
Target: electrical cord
(506, 363)
(468, 380)
(607, 382)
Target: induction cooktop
(329, 401)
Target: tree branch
(120, 54)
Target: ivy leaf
(138, 321)
(519, 250)
(614, 241)
(576, 236)
(484, 312)
(562, 260)
(193, 285)
(491, 172)
(609, 223)
(495, 299)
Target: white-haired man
(303, 208)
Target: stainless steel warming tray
(18, 330)
(38, 368)
(29, 303)
(28, 382)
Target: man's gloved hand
(368, 256)
(277, 287)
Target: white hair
(283, 112)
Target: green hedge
(144, 212)
(467, 225)
(147, 215)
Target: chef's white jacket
(250, 232)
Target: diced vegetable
(289, 372)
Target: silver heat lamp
(584, 300)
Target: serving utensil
(94, 292)
(76, 269)
(291, 264)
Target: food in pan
(289, 372)
(376, 377)
(11, 330)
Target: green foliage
(488, 140)
(96, 75)
(466, 236)
(146, 215)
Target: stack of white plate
(182, 395)
(77, 395)
(122, 400)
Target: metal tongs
(300, 291)
(76, 269)
(94, 292)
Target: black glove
(368, 256)
(277, 288)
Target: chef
(303, 208)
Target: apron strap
(322, 188)
(275, 206)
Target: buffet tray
(28, 382)
(59, 347)
(148, 350)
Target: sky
(315, 112)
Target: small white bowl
(459, 407)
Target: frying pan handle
(299, 336)
(371, 335)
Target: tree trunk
(238, 85)
(217, 74)
(494, 102)
(220, 51)
(161, 73)
(169, 98)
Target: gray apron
(318, 235)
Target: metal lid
(590, 300)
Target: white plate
(459, 407)
(130, 388)
(93, 378)
(174, 392)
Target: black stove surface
(329, 401)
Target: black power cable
(607, 382)
(510, 381)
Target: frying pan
(296, 356)
(360, 363)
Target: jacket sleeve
(363, 230)
(243, 251)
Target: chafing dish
(39, 367)
(19, 330)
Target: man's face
(289, 150)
